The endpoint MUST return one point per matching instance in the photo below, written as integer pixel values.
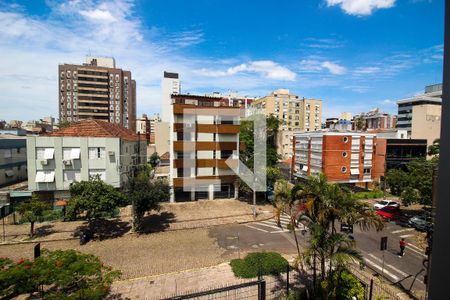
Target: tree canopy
(67, 274)
(33, 211)
(414, 185)
(94, 197)
(146, 195)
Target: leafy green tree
(33, 211)
(67, 274)
(95, 198)
(63, 124)
(145, 196)
(409, 196)
(154, 160)
(343, 285)
(360, 123)
(433, 149)
(397, 181)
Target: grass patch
(264, 263)
(368, 195)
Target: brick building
(343, 157)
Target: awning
(354, 171)
(40, 176)
(61, 203)
(9, 173)
(75, 153)
(48, 153)
(45, 176)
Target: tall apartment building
(297, 114)
(343, 157)
(80, 151)
(205, 133)
(170, 85)
(146, 126)
(97, 90)
(421, 115)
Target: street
(267, 236)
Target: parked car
(421, 222)
(384, 203)
(389, 213)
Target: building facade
(204, 135)
(13, 159)
(421, 114)
(295, 113)
(80, 151)
(399, 152)
(97, 90)
(343, 157)
(377, 119)
(170, 85)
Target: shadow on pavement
(157, 222)
(102, 229)
(44, 230)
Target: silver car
(420, 222)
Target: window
(96, 152)
(367, 171)
(72, 175)
(345, 139)
(99, 172)
(7, 153)
(344, 169)
(71, 153)
(226, 154)
(45, 176)
(344, 154)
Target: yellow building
(295, 113)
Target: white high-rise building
(170, 85)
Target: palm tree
(282, 197)
(332, 249)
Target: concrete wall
(426, 122)
(162, 137)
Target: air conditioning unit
(67, 162)
(44, 162)
(110, 153)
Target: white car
(384, 203)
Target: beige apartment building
(420, 115)
(295, 113)
(97, 90)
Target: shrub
(368, 195)
(264, 263)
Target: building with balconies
(204, 142)
(84, 149)
(294, 113)
(97, 90)
(13, 159)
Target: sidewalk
(191, 281)
(172, 216)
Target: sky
(355, 55)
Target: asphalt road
(267, 236)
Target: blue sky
(353, 54)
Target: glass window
(96, 152)
(99, 172)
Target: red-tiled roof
(96, 128)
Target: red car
(389, 213)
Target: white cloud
(323, 43)
(187, 38)
(334, 68)
(98, 15)
(389, 102)
(361, 7)
(367, 70)
(266, 68)
(315, 66)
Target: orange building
(343, 157)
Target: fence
(374, 288)
(265, 288)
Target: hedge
(264, 263)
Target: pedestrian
(402, 247)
